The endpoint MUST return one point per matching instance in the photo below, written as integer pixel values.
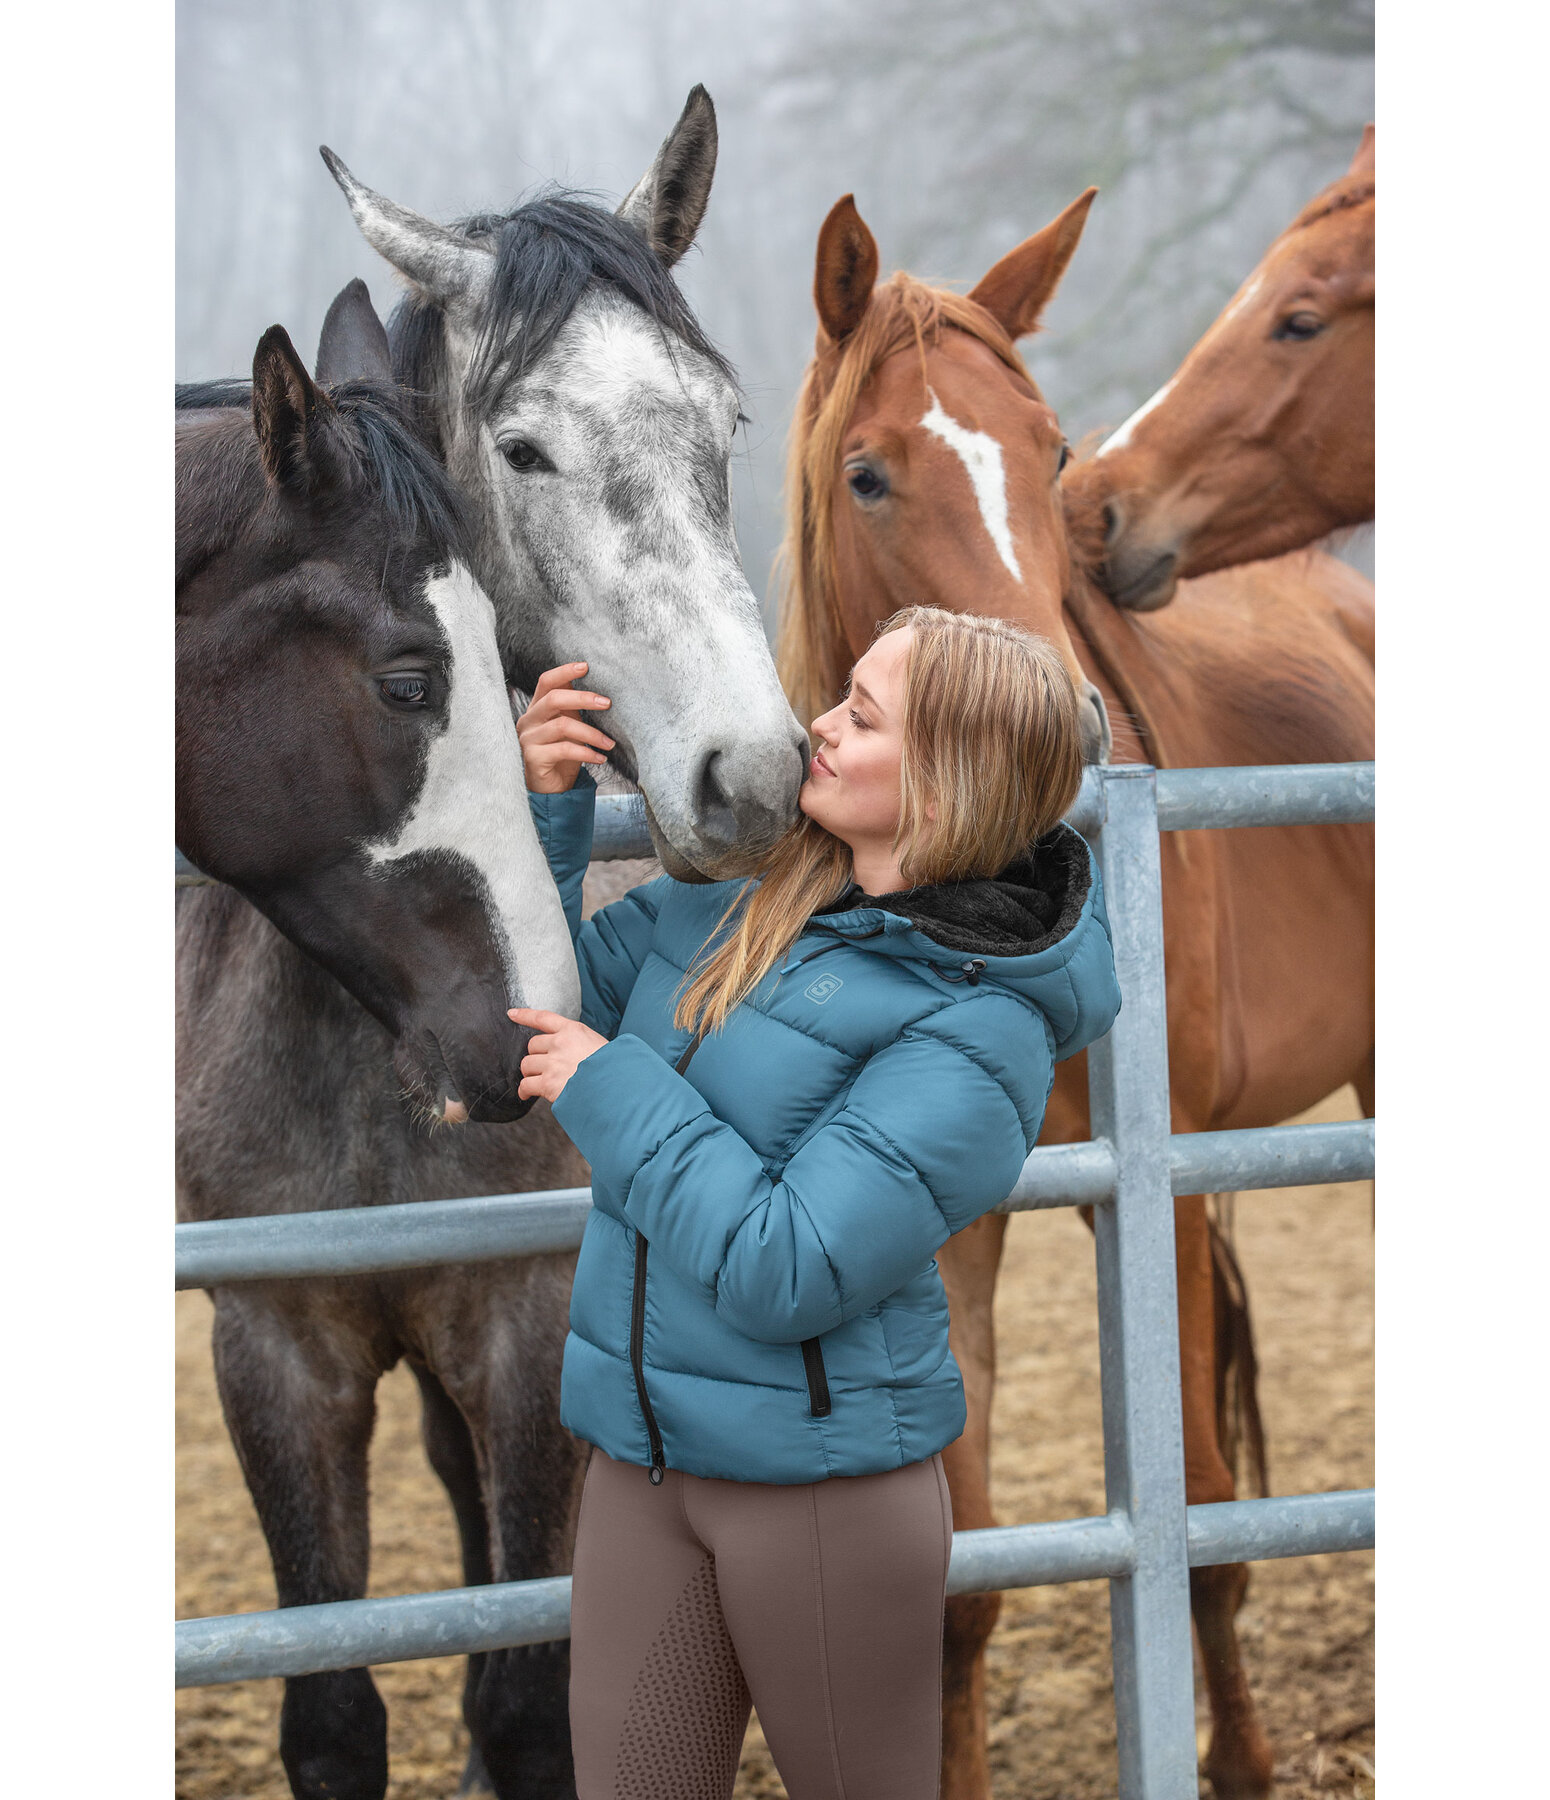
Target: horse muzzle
(1097, 733)
(450, 1081)
(740, 803)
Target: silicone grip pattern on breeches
(683, 1732)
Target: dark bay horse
(559, 375)
(1263, 440)
(348, 766)
(925, 467)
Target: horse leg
(1365, 1083)
(450, 1449)
(969, 1263)
(1238, 1763)
(299, 1401)
(505, 1380)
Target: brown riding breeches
(821, 1604)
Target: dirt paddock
(1307, 1625)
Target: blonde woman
(791, 1092)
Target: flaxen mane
(811, 653)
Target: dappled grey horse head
(580, 407)
(346, 755)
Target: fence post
(1143, 1436)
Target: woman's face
(853, 789)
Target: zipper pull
(658, 1469)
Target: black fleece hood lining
(1033, 903)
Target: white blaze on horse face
(1122, 436)
(981, 457)
(473, 803)
(1245, 297)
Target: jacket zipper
(638, 1323)
(817, 1378)
(638, 1362)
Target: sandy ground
(1307, 1625)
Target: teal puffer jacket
(757, 1295)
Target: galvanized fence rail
(1147, 1541)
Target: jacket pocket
(817, 1378)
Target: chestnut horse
(1263, 441)
(925, 467)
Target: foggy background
(1206, 124)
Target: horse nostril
(1113, 522)
(715, 807)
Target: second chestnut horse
(1263, 440)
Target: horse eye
(1299, 325)
(405, 690)
(1065, 457)
(865, 483)
(522, 455)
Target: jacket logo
(822, 987)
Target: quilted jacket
(757, 1296)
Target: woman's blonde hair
(991, 758)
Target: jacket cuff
(621, 1105)
(564, 826)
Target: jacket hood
(1038, 929)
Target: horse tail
(1240, 1430)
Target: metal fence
(1147, 1541)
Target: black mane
(548, 253)
(413, 488)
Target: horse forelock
(904, 313)
(548, 253)
(373, 428)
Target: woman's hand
(554, 741)
(553, 1055)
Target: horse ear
(668, 202)
(846, 270)
(1366, 154)
(445, 266)
(288, 414)
(1021, 285)
(353, 345)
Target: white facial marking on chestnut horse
(981, 456)
(1122, 436)
(473, 803)
(1245, 296)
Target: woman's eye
(405, 690)
(522, 455)
(857, 720)
(1299, 325)
(865, 483)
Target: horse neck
(1121, 655)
